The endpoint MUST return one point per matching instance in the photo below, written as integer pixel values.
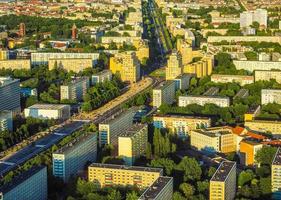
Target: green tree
(132, 196)
(178, 196)
(265, 155)
(191, 169)
(114, 195)
(187, 189)
(165, 163)
(245, 177)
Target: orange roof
(256, 136)
(238, 130)
(273, 142)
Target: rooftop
(277, 158)
(184, 116)
(125, 167)
(48, 106)
(253, 109)
(205, 97)
(213, 133)
(102, 72)
(133, 130)
(7, 80)
(212, 91)
(153, 191)
(112, 118)
(223, 171)
(163, 85)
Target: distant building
(248, 151)
(15, 64)
(108, 175)
(242, 80)
(201, 68)
(185, 50)
(276, 175)
(212, 91)
(264, 56)
(161, 189)
(100, 77)
(6, 121)
(48, 111)
(31, 184)
(73, 157)
(276, 57)
(251, 66)
(132, 143)
(248, 17)
(75, 90)
(9, 94)
(71, 64)
(22, 30)
(242, 94)
(264, 75)
(202, 100)
(174, 66)
(181, 125)
(164, 93)
(74, 32)
(270, 96)
(223, 182)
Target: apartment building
(264, 126)
(182, 81)
(266, 75)
(202, 100)
(127, 65)
(164, 93)
(185, 50)
(223, 182)
(242, 80)
(75, 89)
(6, 121)
(174, 66)
(15, 64)
(211, 140)
(70, 64)
(112, 127)
(276, 175)
(252, 113)
(201, 68)
(251, 66)
(100, 77)
(248, 151)
(30, 184)
(235, 39)
(181, 125)
(270, 96)
(9, 94)
(48, 111)
(161, 189)
(248, 17)
(73, 157)
(132, 143)
(106, 175)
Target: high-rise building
(74, 32)
(100, 77)
(182, 81)
(276, 175)
(164, 93)
(132, 143)
(270, 96)
(174, 66)
(185, 50)
(73, 157)
(22, 30)
(9, 94)
(223, 182)
(75, 90)
(248, 17)
(112, 127)
(6, 121)
(31, 184)
(106, 175)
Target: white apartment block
(202, 100)
(264, 75)
(242, 80)
(256, 65)
(164, 94)
(248, 17)
(105, 75)
(270, 96)
(75, 90)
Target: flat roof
(119, 115)
(24, 176)
(222, 172)
(102, 72)
(206, 97)
(48, 106)
(212, 91)
(213, 133)
(132, 130)
(181, 116)
(164, 85)
(277, 157)
(125, 167)
(75, 80)
(153, 191)
(7, 80)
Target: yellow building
(106, 175)
(142, 50)
(4, 55)
(174, 66)
(201, 68)
(15, 64)
(70, 64)
(186, 51)
(248, 150)
(223, 182)
(264, 126)
(132, 143)
(127, 65)
(252, 113)
(211, 140)
(265, 75)
(181, 124)
(276, 175)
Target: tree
(265, 155)
(203, 186)
(187, 189)
(265, 185)
(245, 177)
(178, 196)
(148, 151)
(165, 163)
(132, 196)
(85, 187)
(191, 168)
(86, 107)
(114, 195)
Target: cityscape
(140, 100)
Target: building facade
(100, 77)
(276, 175)
(247, 152)
(242, 80)
(270, 96)
(164, 93)
(6, 121)
(70, 64)
(9, 94)
(265, 126)
(174, 66)
(202, 100)
(15, 64)
(75, 90)
(251, 66)
(264, 75)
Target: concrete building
(182, 81)
(270, 96)
(264, 56)
(6, 121)
(185, 50)
(256, 65)
(70, 64)
(248, 151)
(31, 184)
(15, 64)
(106, 175)
(242, 80)
(164, 93)
(276, 57)
(235, 39)
(112, 127)
(265, 126)
(100, 77)
(252, 113)
(202, 100)
(10, 94)
(276, 175)
(73, 157)
(174, 66)
(212, 140)
(201, 68)
(223, 182)
(22, 30)
(132, 143)
(181, 125)
(48, 111)
(161, 189)
(127, 65)
(248, 17)
(264, 75)
(75, 90)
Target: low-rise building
(48, 111)
(164, 93)
(75, 89)
(6, 121)
(202, 100)
(270, 96)
(72, 158)
(264, 75)
(223, 182)
(181, 125)
(100, 77)
(132, 143)
(31, 184)
(70, 64)
(242, 80)
(276, 175)
(265, 126)
(248, 151)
